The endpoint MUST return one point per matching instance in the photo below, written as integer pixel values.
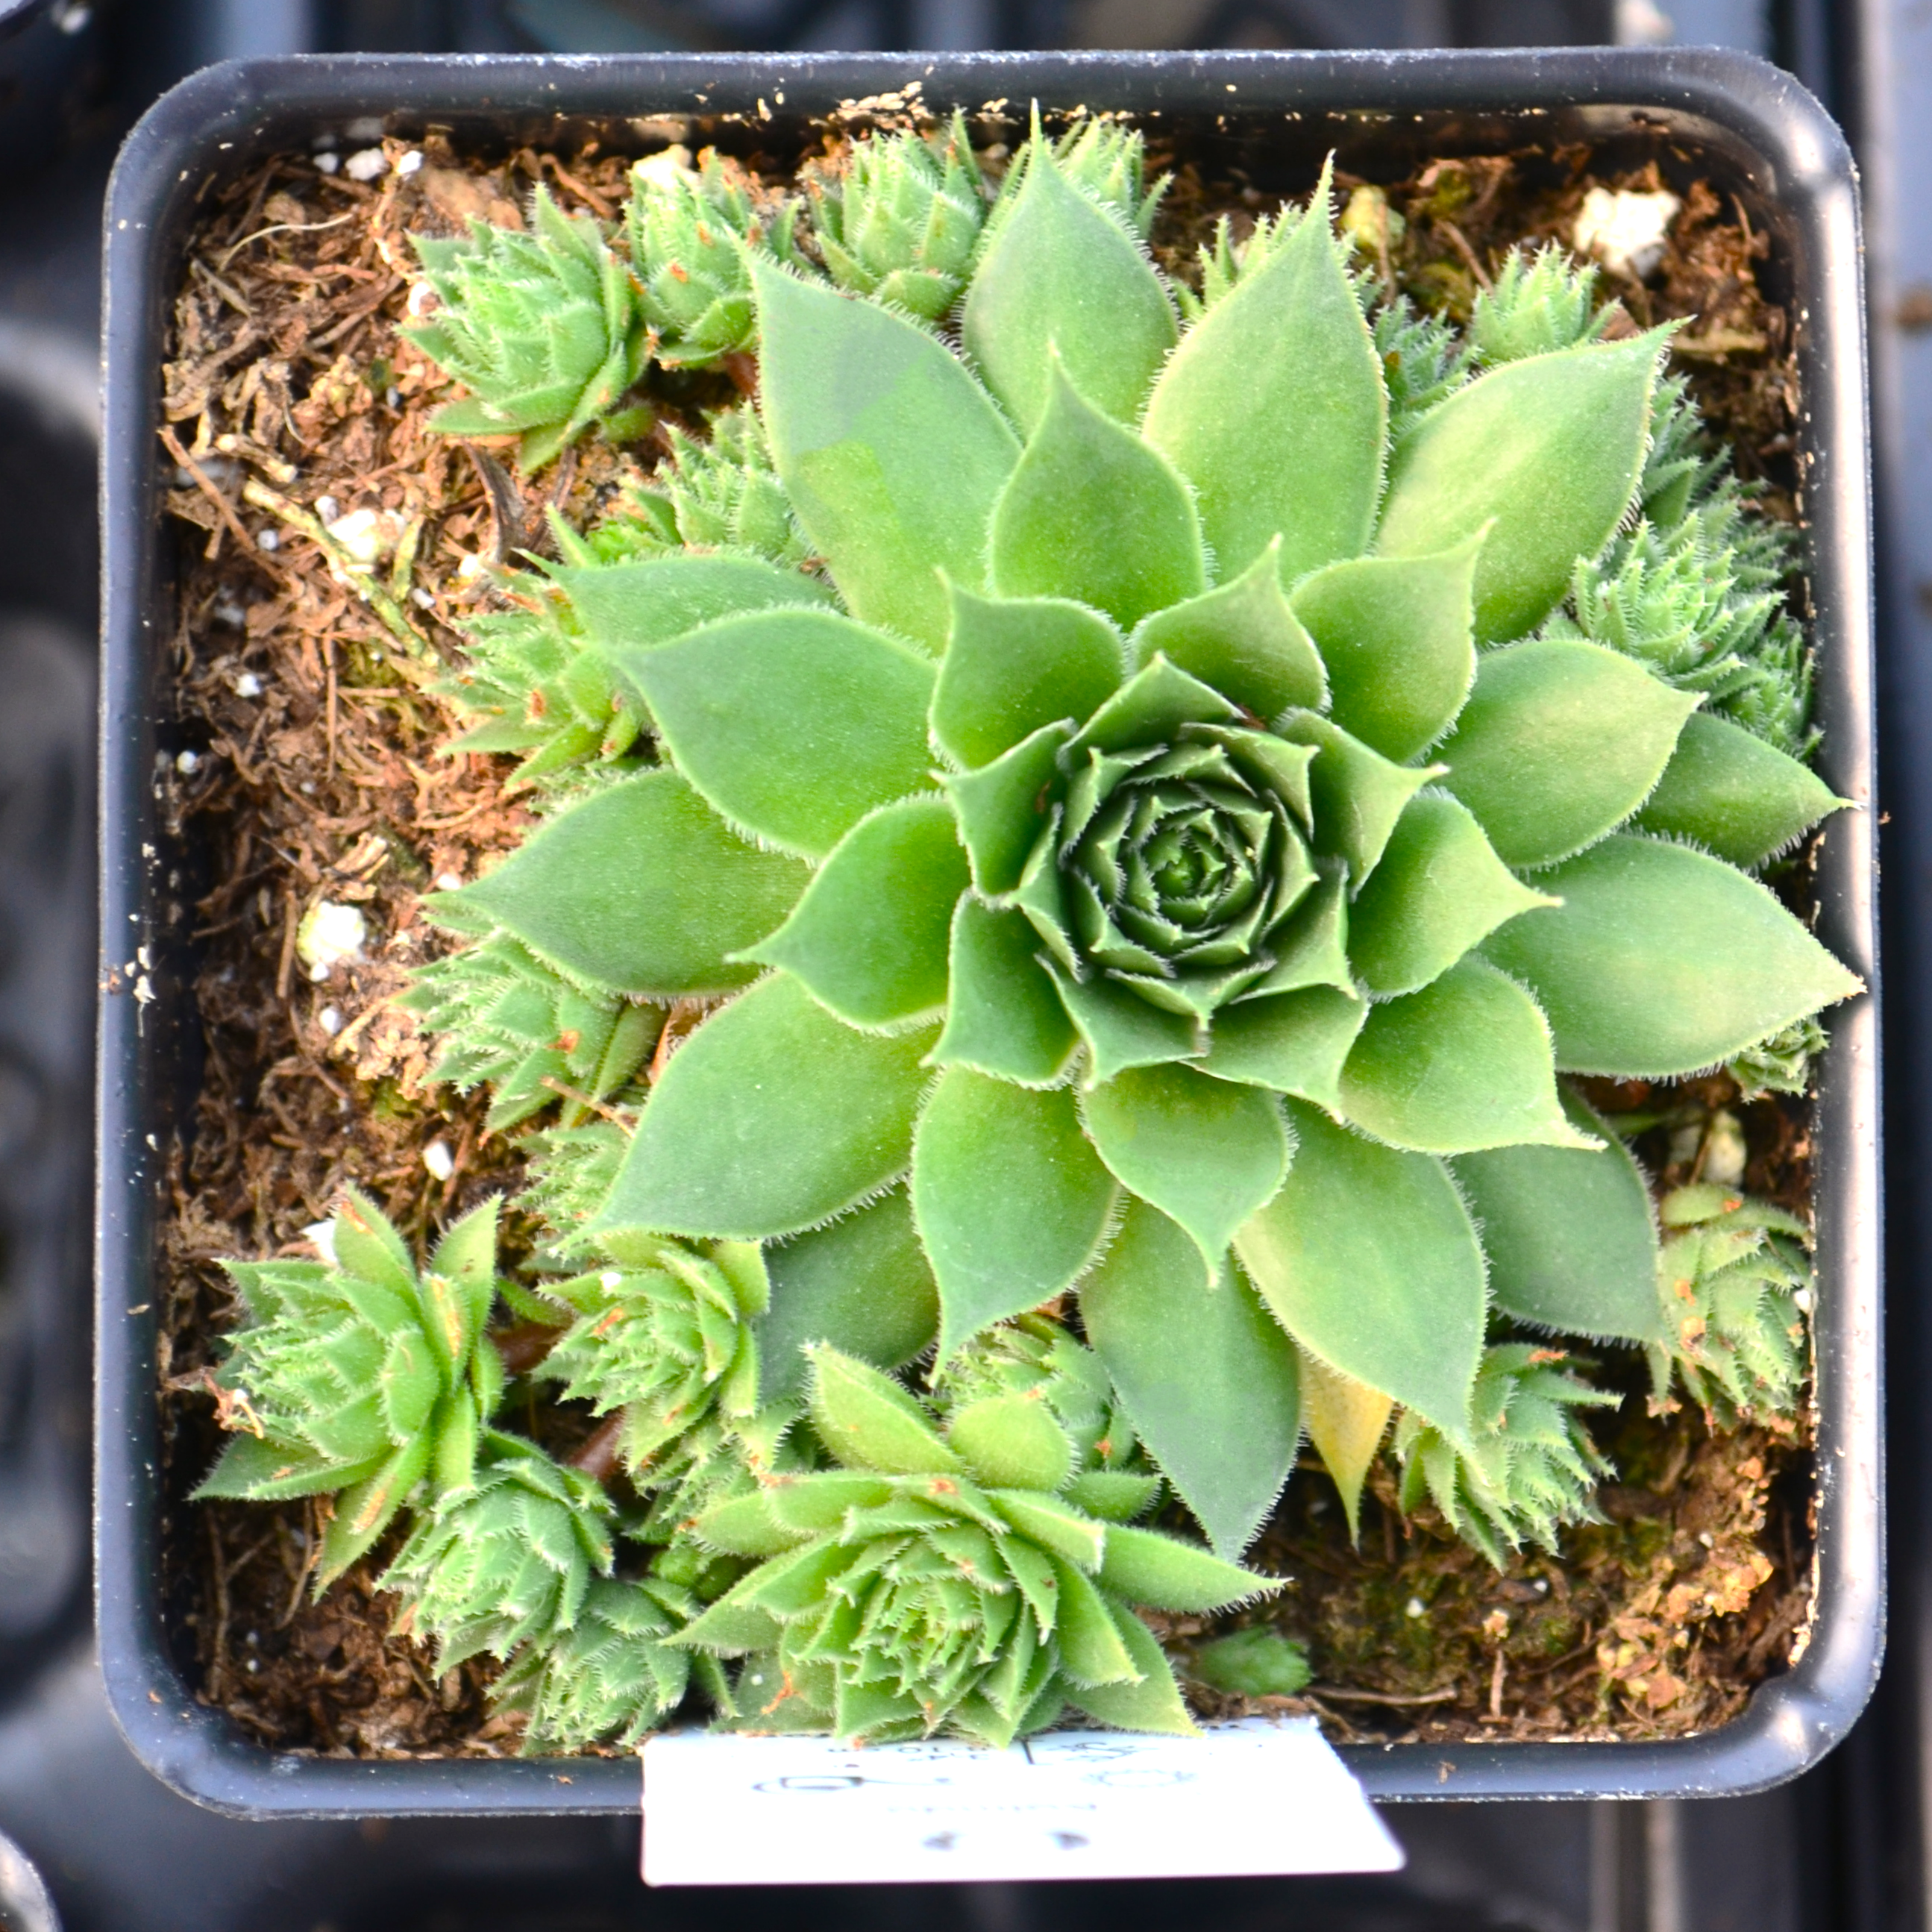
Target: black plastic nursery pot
(1752, 129)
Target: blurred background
(91, 1842)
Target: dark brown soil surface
(310, 769)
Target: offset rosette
(968, 1575)
(1171, 853)
(542, 329)
(690, 233)
(362, 1377)
(899, 221)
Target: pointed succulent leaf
(868, 1711)
(1439, 889)
(1735, 795)
(1011, 1200)
(1155, 705)
(1560, 741)
(732, 701)
(366, 1509)
(1395, 633)
(1165, 1574)
(1244, 640)
(1272, 408)
(732, 1627)
(1311, 946)
(1011, 1442)
(869, 938)
(1358, 794)
(792, 1582)
(1206, 1374)
(449, 1320)
(364, 1243)
(1206, 1152)
(1055, 1524)
(251, 1470)
(1093, 513)
(458, 1429)
(1295, 1043)
(635, 606)
(262, 1289)
(1661, 960)
(823, 1499)
(863, 1284)
(1113, 1495)
(1120, 1029)
(467, 1254)
(1152, 1703)
(1004, 1015)
(1368, 1259)
(1347, 1421)
(641, 889)
(893, 453)
(1062, 275)
(772, 1117)
(749, 1526)
(1013, 664)
(1550, 450)
(1003, 807)
(1091, 1649)
(742, 1266)
(868, 1422)
(1569, 1233)
(1464, 1063)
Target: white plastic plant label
(1254, 1799)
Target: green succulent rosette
(667, 1337)
(662, 1334)
(1734, 1285)
(1528, 1467)
(969, 1577)
(361, 1377)
(690, 234)
(1169, 846)
(544, 329)
(721, 494)
(612, 1677)
(899, 220)
(510, 1020)
(507, 1562)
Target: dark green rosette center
(1180, 863)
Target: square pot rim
(1759, 117)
